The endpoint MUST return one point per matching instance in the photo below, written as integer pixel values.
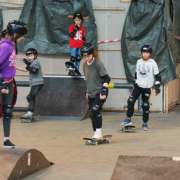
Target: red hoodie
(76, 41)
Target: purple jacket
(7, 59)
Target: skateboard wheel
(95, 143)
(109, 141)
(87, 142)
(121, 129)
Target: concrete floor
(61, 143)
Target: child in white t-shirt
(146, 70)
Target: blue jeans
(75, 52)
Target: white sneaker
(97, 135)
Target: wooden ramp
(20, 163)
(62, 96)
(147, 168)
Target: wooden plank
(115, 49)
(166, 97)
(109, 9)
(125, 1)
(21, 2)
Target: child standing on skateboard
(146, 70)
(35, 77)
(97, 81)
(15, 33)
(77, 38)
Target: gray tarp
(149, 22)
(48, 24)
(1, 21)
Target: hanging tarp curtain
(149, 22)
(48, 24)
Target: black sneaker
(145, 127)
(126, 122)
(8, 144)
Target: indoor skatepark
(59, 133)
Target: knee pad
(78, 58)
(73, 59)
(91, 115)
(146, 106)
(30, 98)
(131, 101)
(7, 111)
(96, 111)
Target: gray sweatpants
(6, 100)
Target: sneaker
(97, 135)
(28, 116)
(126, 122)
(145, 127)
(8, 144)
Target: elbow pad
(72, 34)
(158, 79)
(32, 69)
(106, 78)
(84, 39)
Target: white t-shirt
(146, 70)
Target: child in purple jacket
(15, 33)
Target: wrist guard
(3, 84)
(157, 88)
(104, 91)
(26, 62)
(76, 28)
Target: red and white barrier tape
(177, 37)
(113, 40)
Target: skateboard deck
(73, 71)
(27, 120)
(128, 128)
(91, 141)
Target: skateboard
(73, 71)
(27, 120)
(128, 128)
(91, 141)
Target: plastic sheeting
(1, 21)
(151, 22)
(48, 24)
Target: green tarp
(153, 22)
(48, 24)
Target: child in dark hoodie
(15, 33)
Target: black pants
(96, 120)
(6, 100)
(31, 97)
(146, 96)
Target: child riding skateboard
(97, 80)
(146, 70)
(36, 79)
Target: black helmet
(78, 15)
(17, 27)
(86, 49)
(31, 51)
(4, 32)
(146, 48)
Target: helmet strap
(16, 47)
